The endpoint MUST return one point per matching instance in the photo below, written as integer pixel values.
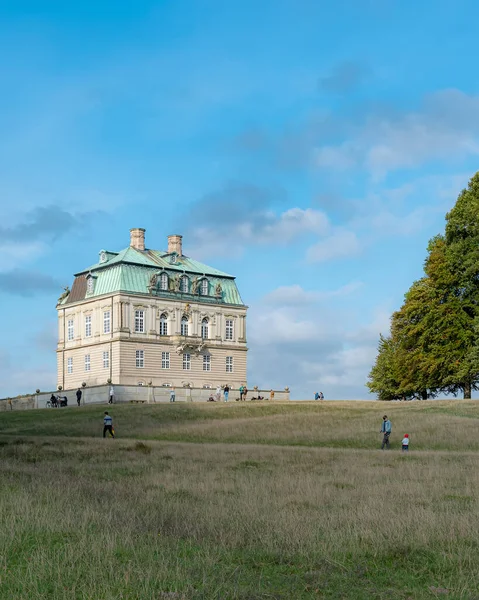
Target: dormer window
(204, 287)
(103, 257)
(90, 284)
(164, 282)
(173, 259)
(184, 284)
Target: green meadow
(240, 501)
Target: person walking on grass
(108, 425)
(405, 443)
(386, 431)
(172, 395)
(241, 392)
(78, 396)
(112, 394)
(226, 391)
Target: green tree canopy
(433, 346)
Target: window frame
(140, 359)
(164, 277)
(204, 287)
(90, 285)
(88, 325)
(140, 318)
(229, 329)
(183, 279)
(184, 326)
(205, 328)
(163, 324)
(165, 360)
(186, 361)
(106, 359)
(106, 321)
(70, 330)
(229, 364)
(87, 362)
(70, 365)
(206, 362)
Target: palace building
(146, 317)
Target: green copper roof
(131, 270)
(155, 258)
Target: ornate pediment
(191, 347)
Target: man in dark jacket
(108, 425)
(386, 431)
(78, 396)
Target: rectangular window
(140, 359)
(206, 362)
(229, 329)
(87, 362)
(139, 321)
(229, 364)
(165, 360)
(70, 365)
(106, 360)
(88, 326)
(70, 330)
(106, 322)
(186, 362)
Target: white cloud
(296, 295)
(342, 243)
(313, 344)
(445, 125)
(14, 255)
(261, 228)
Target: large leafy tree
(434, 344)
(383, 378)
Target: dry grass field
(240, 502)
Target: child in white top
(405, 442)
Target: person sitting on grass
(108, 425)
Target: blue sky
(310, 149)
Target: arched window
(204, 328)
(184, 325)
(204, 287)
(185, 284)
(163, 324)
(164, 282)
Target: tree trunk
(424, 394)
(467, 391)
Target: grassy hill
(442, 425)
(242, 501)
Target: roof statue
(66, 293)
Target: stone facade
(163, 331)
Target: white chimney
(137, 238)
(175, 244)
